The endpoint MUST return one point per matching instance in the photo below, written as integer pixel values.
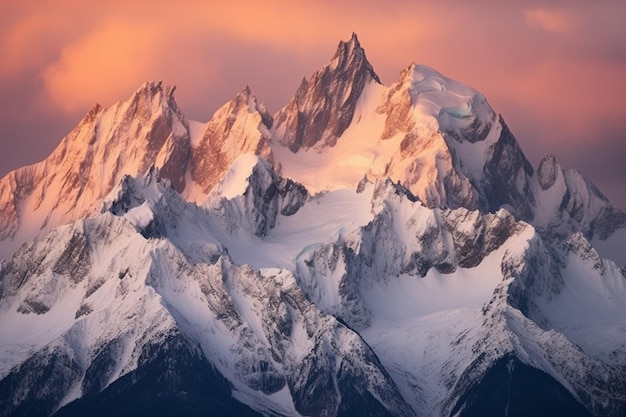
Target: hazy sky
(555, 70)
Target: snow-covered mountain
(127, 139)
(368, 250)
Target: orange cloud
(549, 20)
(571, 96)
(26, 44)
(289, 24)
(124, 46)
(104, 65)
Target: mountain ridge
(367, 250)
(457, 153)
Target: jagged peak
(92, 114)
(350, 55)
(246, 95)
(247, 91)
(323, 106)
(406, 75)
(246, 100)
(169, 92)
(548, 157)
(146, 94)
(352, 46)
(243, 98)
(384, 188)
(150, 87)
(151, 90)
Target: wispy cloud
(549, 20)
(117, 54)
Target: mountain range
(367, 250)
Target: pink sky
(555, 70)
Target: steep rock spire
(324, 105)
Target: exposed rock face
(323, 106)
(486, 234)
(547, 171)
(264, 197)
(507, 177)
(239, 127)
(397, 108)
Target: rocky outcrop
(264, 195)
(507, 175)
(568, 203)
(404, 238)
(547, 171)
